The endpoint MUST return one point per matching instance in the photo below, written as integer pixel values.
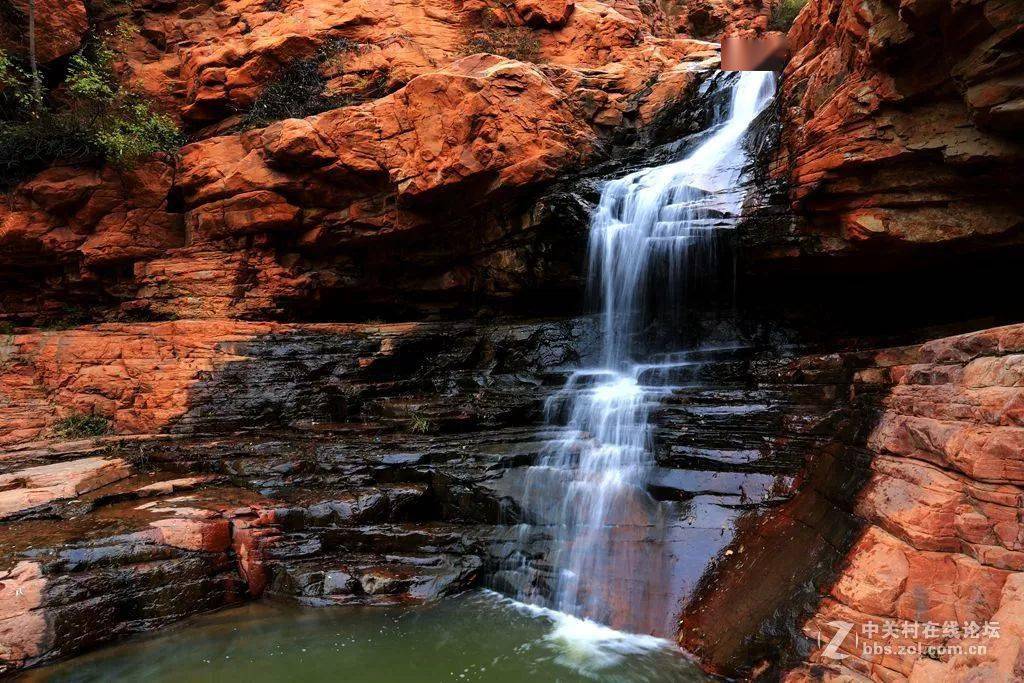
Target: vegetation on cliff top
(299, 89)
(82, 115)
(784, 13)
(515, 42)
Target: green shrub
(515, 42)
(784, 13)
(92, 77)
(421, 424)
(81, 427)
(122, 136)
(89, 117)
(297, 90)
(27, 146)
(15, 87)
(133, 132)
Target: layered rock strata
(942, 541)
(189, 376)
(380, 203)
(901, 136)
(921, 528)
(860, 463)
(374, 492)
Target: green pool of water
(478, 636)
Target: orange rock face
(62, 227)
(483, 125)
(140, 377)
(23, 630)
(552, 13)
(903, 537)
(943, 542)
(887, 147)
(714, 19)
(60, 28)
(234, 49)
(211, 62)
(195, 530)
(37, 486)
(244, 225)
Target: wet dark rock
(758, 447)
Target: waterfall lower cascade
(652, 232)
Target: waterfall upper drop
(656, 228)
(669, 213)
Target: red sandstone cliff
(902, 126)
(901, 150)
(714, 19)
(942, 542)
(902, 130)
(250, 223)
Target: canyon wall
(942, 541)
(905, 525)
(901, 139)
(420, 188)
(893, 202)
(170, 330)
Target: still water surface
(478, 636)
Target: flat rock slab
(33, 487)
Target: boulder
(544, 13)
(715, 19)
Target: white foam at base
(583, 645)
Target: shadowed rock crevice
(748, 609)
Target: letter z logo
(831, 650)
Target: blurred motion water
(655, 228)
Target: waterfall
(669, 213)
(655, 228)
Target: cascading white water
(669, 212)
(589, 485)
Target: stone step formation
(136, 532)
